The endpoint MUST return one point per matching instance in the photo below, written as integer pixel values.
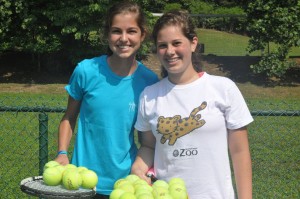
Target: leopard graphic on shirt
(175, 127)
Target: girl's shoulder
(219, 80)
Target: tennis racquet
(35, 186)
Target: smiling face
(125, 36)
(174, 50)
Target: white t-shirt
(190, 124)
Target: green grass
(273, 140)
(229, 44)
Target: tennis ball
(61, 168)
(176, 186)
(164, 196)
(81, 168)
(69, 170)
(51, 163)
(160, 183)
(143, 187)
(127, 195)
(176, 181)
(178, 193)
(72, 179)
(52, 176)
(128, 187)
(140, 181)
(119, 182)
(116, 194)
(159, 191)
(70, 166)
(145, 196)
(139, 192)
(132, 178)
(89, 179)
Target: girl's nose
(123, 37)
(170, 50)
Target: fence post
(43, 141)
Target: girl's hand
(62, 159)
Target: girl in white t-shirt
(190, 120)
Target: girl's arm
(145, 158)
(241, 160)
(66, 129)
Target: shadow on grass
(238, 69)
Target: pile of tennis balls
(70, 176)
(132, 187)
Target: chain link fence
(28, 139)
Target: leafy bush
(274, 63)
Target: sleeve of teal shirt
(76, 83)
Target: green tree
(273, 21)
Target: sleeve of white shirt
(237, 113)
(142, 123)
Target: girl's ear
(143, 36)
(194, 43)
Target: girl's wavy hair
(182, 19)
(125, 7)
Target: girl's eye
(161, 46)
(177, 43)
(115, 31)
(132, 31)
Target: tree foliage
(273, 21)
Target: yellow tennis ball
(178, 192)
(159, 191)
(51, 163)
(176, 180)
(89, 179)
(139, 192)
(72, 179)
(132, 178)
(127, 195)
(116, 194)
(70, 166)
(52, 176)
(61, 168)
(81, 168)
(143, 187)
(140, 181)
(128, 187)
(160, 183)
(119, 182)
(145, 196)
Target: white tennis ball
(72, 179)
(116, 194)
(52, 176)
(51, 163)
(89, 179)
